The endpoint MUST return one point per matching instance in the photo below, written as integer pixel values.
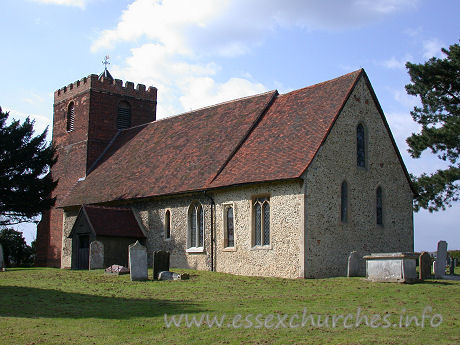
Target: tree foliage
(437, 83)
(16, 252)
(25, 163)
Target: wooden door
(83, 252)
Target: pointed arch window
(344, 202)
(70, 117)
(124, 115)
(195, 226)
(261, 208)
(229, 226)
(168, 224)
(360, 146)
(379, 204)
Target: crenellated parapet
(106, 85)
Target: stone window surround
(253, 225)
(225, 207)
(166, 238)
(189, 248)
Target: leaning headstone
(166, 275)
(138, 261)
(441, 256)
(96, 255)
(424, 265)
(2, 263)
(160, 263)
(355, 264)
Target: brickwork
(96, 107)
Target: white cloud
(41, 121)
(74, 3)
(432, 48)
(205, 91)
(231, 27)
(182, 39)
(394, 63)
(182, 85)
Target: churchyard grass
(52, 306)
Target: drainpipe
(213, 205)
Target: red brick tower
(87, 115)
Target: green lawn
(51, 306)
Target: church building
(283, 185)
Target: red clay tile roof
(113, 222)
(172, 155)
(266, 137)
(287, 138)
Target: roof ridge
(200, 109)
(358, 71)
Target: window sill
(167, 239)
(265, 247)
(229, 249)
(195, 250)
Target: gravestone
(355, 265)
(424, 265)
(138, 261)
(166, 275)
(160, 263)
(96, 255)
(2, 263)
(441, 256)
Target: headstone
(160, 263)
(96, 255)
(2, 263)
(117, 270)
(355, 265)
(166, 275)
(424, 265)
(138, 261)
(441, 256)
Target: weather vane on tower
(106, 61)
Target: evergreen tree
(437, 83)
(16, 252)
(25, 179)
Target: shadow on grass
(17, 301)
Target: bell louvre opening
(124, 115)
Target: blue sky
(198, 53)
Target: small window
(70, 117)
(168, 224)
(344, 202)
(229, 227)
(124, 115)
(261, 221)
(379, 206)
(196, 226)
(360, 148)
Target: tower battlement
(115, 86)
